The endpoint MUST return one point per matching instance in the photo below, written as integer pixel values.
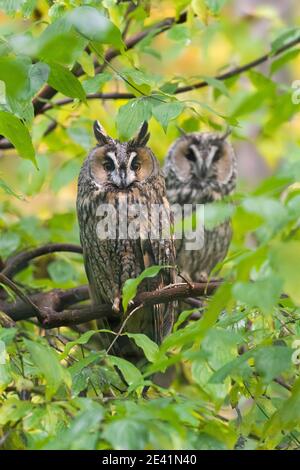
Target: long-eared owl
(200, 168)
(122, 209)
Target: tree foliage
(235, 360)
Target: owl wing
(160, 252)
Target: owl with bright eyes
(115, 178)
(201, 168)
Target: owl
(120, 186)
(200, 168)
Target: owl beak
(200, 167)
(123, 182)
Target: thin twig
(123, 326)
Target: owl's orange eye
(135, 164)
(109, 165)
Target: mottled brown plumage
(200, 168)
(117, 174)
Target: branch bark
(20, 261)
(48, 92)
(126, 96)
(54, 304)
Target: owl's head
(121, 165)
(201, 159)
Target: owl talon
(203, 277)
(116, 305)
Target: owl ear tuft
(143, 136)
(226, 133)
(100, 134)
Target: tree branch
(224, 76)
(20, 261)
(243, 68)
(55, 314)
(25, 299)
(47, 93)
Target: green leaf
(92, 85)
(250, 103)
(271, 361)
(14, 73)
(48, 365)
(131, 285)
(78, 366)
(83, 137)
(83, 339)
(216, 213)
(126, 434)
(87, 63)
(220, 346)
(179, 32)
(60, 43)
(217, 84)
(38, 75)
(287, 417)
(148, 346)
(237, 367)
(8, 190)
(67, 173)
(132, 115)
(285, 259)
(30, 180)
(284, 37)
(82, 432)
(284, 59)
(7, 335)
(15, 131)
(215, 6)
(9, 242)
(61, 79)
(183, 317)
(138, 82)
(164, 113)
(12, 410)
(60, 271)
(263, 293)
(197, 331)
(131, 374)
(202, 373)
(93, 25)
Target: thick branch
(20, 261)
(55, 300)
(19, 293)
(52, 303)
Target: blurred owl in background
(122, 176)
(201, 168)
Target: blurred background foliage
(236, 382)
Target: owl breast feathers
(118, 185)
(200, 168)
